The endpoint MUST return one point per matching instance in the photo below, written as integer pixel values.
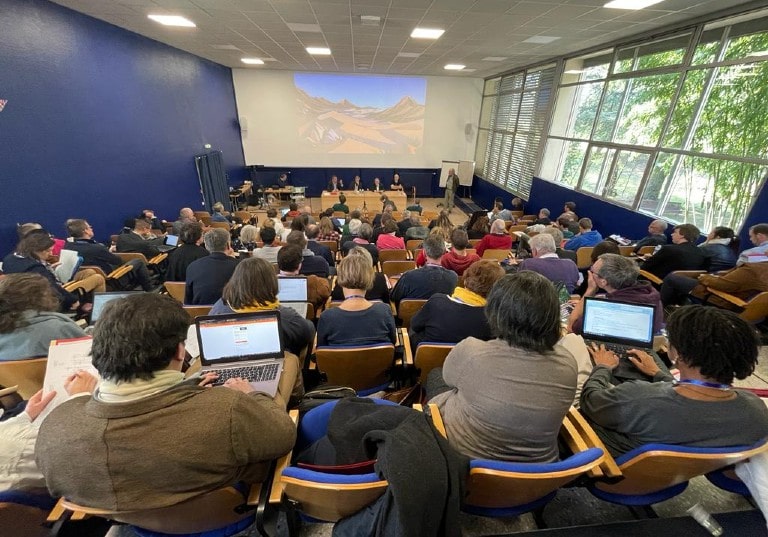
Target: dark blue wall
(606, 217)
(101, 123)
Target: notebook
(171, 242)
(621, 326)
(102, 299)
(247, 345)
(292, 292)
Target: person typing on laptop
(148, 438)
(618, 277)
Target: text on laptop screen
(292, 289)
(283, 212)
(172, 240)
(618, 320)
(239, 338)
(101, 299)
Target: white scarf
(122, 392)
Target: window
(674, 127)
(512, 121)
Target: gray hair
(354, 226)
(618, 271)
(543, 243)
(406, 214)
(545, 212)
(557, 235)
(434, 246)
(415, 218)
(249, 233)
(216, 240)
(661, 225)
(366, 231)
(498, 226)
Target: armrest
(650, 277)
(71, 286)
(609, 467)
(119, 272)
(282, 463)
(570, 435)
(736, 301)
(159, 258)
(408, 354)
(437, 419)
(694, 274)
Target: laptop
(247, 345)
(102, 299)
(171, 242)
(621, 326)
(292, 292)
(284, 212)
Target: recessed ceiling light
(319, 51)
(541, 39)
(427, 33)
(370, 20)
(302, 27)
(409, 54)
(494, 59)
(172, 20)
(225, 47)
(631, 4)
(454, 67)
(252, 61)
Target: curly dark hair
(717, 342)
(22, 292)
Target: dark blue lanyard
(697, 382)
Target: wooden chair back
(333, 246)
(429, 356)
(753, 310)
(128, 256)
(513, 228)
(430, 215)
(584, 257)
(392, 268)
(496, 255)
(361, 367)
(646, 250)
(409, 307)
(176, 290)
(206, 220)
(626, 251)
(413, 244)
(27, 374)
(474, 242)
(201, 214)
(245, 216)
(517, 214)
(331, 501)
(339, 214)
(657, 466)
(392, 255)
(197, 311)
(220, 225)
(529, 217)
(651, 277)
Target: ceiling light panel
(319, 51)
(631, 4)
(172, 20)
(427, 33)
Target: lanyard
(697, 382)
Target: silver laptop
(102, 299)
(247, 345)
(171, 242)
(621, 326)
(292, 292)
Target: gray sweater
(506, 403)
(34, 339)
(635, 413)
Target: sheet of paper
(65, 356)
(68, 261)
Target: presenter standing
(451, 184)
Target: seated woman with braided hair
(711, 347)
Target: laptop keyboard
(251, 373)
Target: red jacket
(494, 242)
(458, 263)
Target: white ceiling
(278, 30)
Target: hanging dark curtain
(213, 180)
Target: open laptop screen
(292, 289)
(101, 299)
(239, 337)
(172, 240)
(620, 322)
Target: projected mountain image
(343, 126)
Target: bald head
(186, 212)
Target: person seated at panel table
(586, 236)
(357, 184)
(505, 399)
(155, 439)
(377, 186)
(356, 321)
(31, 256)
(335, 184)
(656, 235)
(618, 277)
(396, 184)
(341, 205)
(710, 347)
(29, 318)
(380, 288)
(453, 318)
(283, 181)
(682, 254)
(457, 258)
(497, 239)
